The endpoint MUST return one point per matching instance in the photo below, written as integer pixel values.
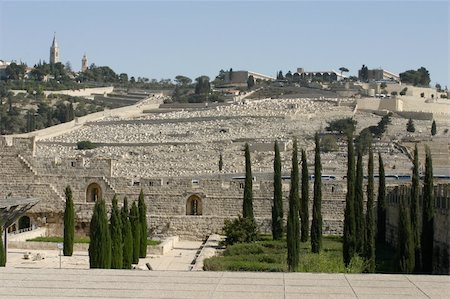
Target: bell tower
(54, 51)
(84, 63)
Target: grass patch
(153, 242)
(84, 240)
(270, 256)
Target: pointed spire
(54, 43)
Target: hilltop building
(238, 78)
(379, 75)
(328, 76)
(54, 52)
(84, 63)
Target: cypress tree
(136, 229)
(293, 223)
(316, 225)
(2, 248)
(416, 210)
(143, 221)
(247, 210)
(405, 236)
(427, 216)
(410, 126)
(127, 236)
(359, 205)
(220, 162)
(69, 223)
(116, 236)
(277, 209)
(304, 206)
(348, 246)
(381, 202)
(433, 128)
(370, 219)
(100, 241)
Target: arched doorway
(194, 206)
(24, 222)
(93, 192)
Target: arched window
(24, 222)
(93, 192)
(194, 205)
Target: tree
(2, 248)
(328, 144)
(289, 76)
(220, 162)
(127, 236)
(344, 125)
(116, 236)
(316, 225)
(369, 242)
(247, 209)
(421, 77)
(143, 221)
(69, 223)
(293, 224)
(250, 82)
(381, 202)
(363, 73)
(100, 239)
(136, 230)
(183, 80)
(410, 126)
(277, 209)
(433, 128)
(405, 236)
(203, 86)
(304, 205)
(359, 206)
(343, 70)
(280, 76)
(240, 230)
(348, 247)
(427, 216)
(415, 210)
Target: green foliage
(344, 125)
(381, 202)
(143, 221)
(369, 242)
(277, 208)
(116, 236)
(240, 230)
(363, 74)
(136, 230)
(359, 206)
(250, 82)
(2, 248)
(293, 225)
(247, 209)
(85, 145)
(328, 144)
(433, 128)
(421, 77)
(55, 239)
(364, 139)
(349, 241)
(203, 87)
(410, 126)
(316, 225)
(405, 237)
(428, 213)
(69, 223)
(415, 210)
(127, 236)
(100, 245)
(304, 205)
(220, 162)
(403, 91)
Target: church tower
(54, 52)
(84, 63)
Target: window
(93, 192)
(194, 206)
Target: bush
(328, 144)
(240, 230)
(342, 125)
(85, 145)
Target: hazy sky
(165, 39)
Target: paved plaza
(77, 283)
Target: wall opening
(93, 192)
(194, 206)
(24, 222)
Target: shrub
(328, 144)
(342, 125)
(240, 230)
(85, 145)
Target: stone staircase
(27, 164)
(109, 184)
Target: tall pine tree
(136, 229)
(428, 216)
(2, 247)
(304, 205)
(247, 209)
(143, 221)
(277, 208)
(369, 243)
(100, 239)
(127, 236)
(381, 202)
(116, 236)
(69, 223)
(405, 239)
(359, 205)
(416, 210)
(433, 128)
(293, 223)
(349, 242)
(316, 225)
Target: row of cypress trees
(121, 243)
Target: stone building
(54, 52)
(84, 63)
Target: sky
(165, 39)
